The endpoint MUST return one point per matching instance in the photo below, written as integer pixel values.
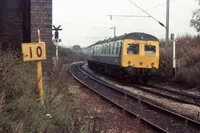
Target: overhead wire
(152, 8)
(136, 15)
(155, 7)
(147, 13)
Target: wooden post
(39, 75)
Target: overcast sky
(85, 22)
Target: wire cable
(152, 8)
(155, 6)
(147, 13)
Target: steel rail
(172, 94)
(167, 93)
(141, 100)
(194, 99)
(140, 87)
(128, 110)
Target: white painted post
(57, 52)
(174, 55)
(56, 42)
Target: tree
(77, 48)
(195, 22)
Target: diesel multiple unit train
(134, 55)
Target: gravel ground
(173, 85)
(189, 110)
(100, 116)
(185, 109)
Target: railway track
(171, 94)
(160, 118)
(165, 92)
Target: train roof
(133, 35)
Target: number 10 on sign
(34, 51)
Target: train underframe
(129, 73)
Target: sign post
(39, 75)
(36, 52)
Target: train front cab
(139, 56)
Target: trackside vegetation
(188, 61)
(20, 109)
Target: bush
(188, 61)
(66, 55)
(20, 109)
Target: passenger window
(117, 48)
(133, 48)
(113, 48)
(107, 48)
(109, 52)
(103, 49)
(150, 50)
(101, 52)
(94, 51)
(97, 50)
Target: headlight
(152, 64)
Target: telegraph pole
(167, 28)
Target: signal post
(56, 40)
